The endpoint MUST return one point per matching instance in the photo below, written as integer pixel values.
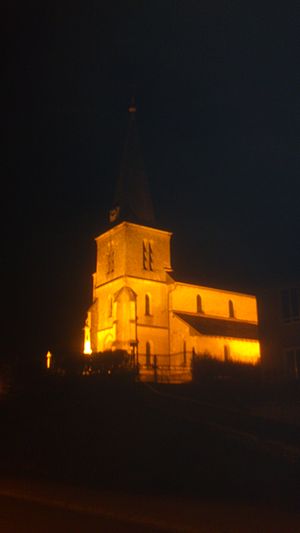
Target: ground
(175, 444)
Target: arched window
(231, 309)
(226, 353)
(150, 253)
(110, 259)
(148, 354)
(147, 255)
(147, 305)
(184, 353)
(199, 304)
(145, 259)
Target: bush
(106, 364)
(205, 366)
(109, 363)
(67, 363)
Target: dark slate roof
(219, 327)
(132, 202)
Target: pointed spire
(132, 202)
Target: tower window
(150, 255)
(145, 263)
(199, 304)
(147, 256)
(110, 259)
(231, 309)
(147, 305)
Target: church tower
(129, 309)
(138, 307)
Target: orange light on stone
(87, 350)
(87, 347)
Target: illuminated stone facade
(139, 307)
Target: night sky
(216, 85)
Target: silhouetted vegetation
(206, 367)
(108, 364)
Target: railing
(165, 368)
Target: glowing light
(48, 359)
(87, 347)
(87, 350)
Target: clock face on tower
(114, 213)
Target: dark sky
(217, 90)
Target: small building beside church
(279, 331)
(137, 304)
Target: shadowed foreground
(18, 516)
(132, 443)
(49, 507)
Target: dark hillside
(124, 436)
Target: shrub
(205, 366)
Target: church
(137, 304)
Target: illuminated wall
(214, 302)
(130, 290)
(222, 348)
(132, 250)
(135, 301)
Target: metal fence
(165, 368)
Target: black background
(217, 87)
